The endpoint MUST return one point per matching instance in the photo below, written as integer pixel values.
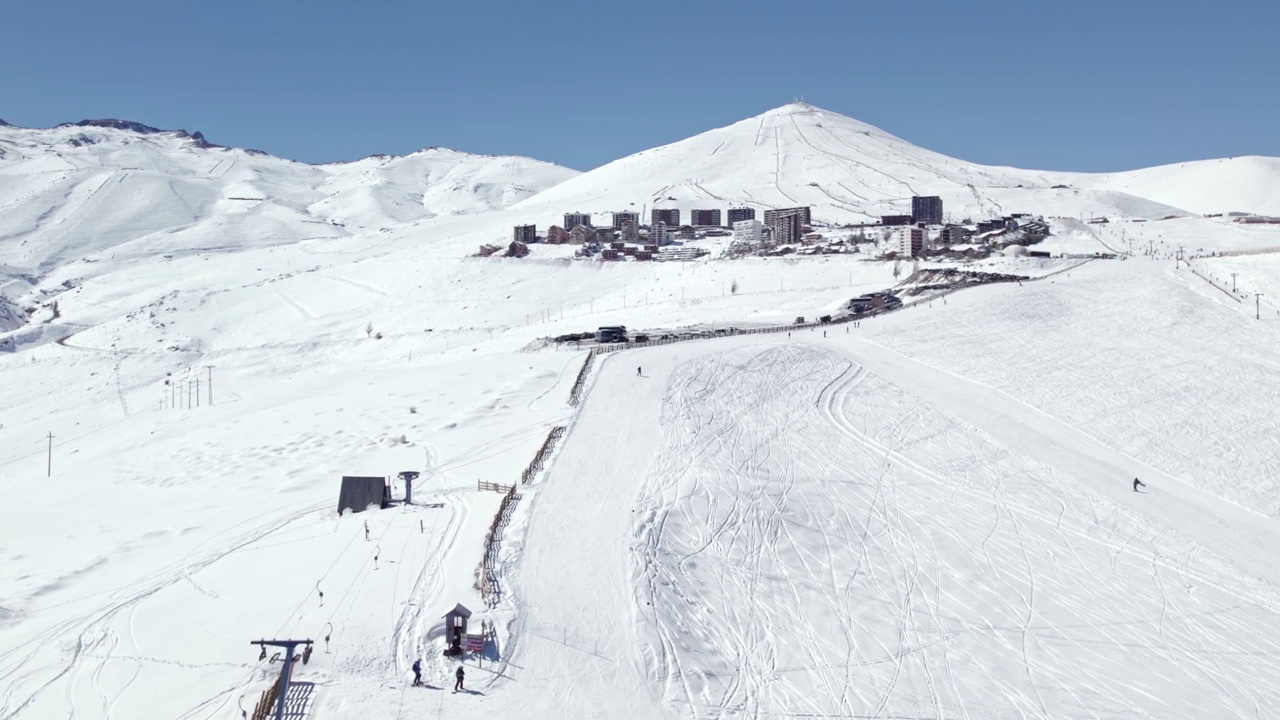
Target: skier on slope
(417, 672)
(637, 370)
(1136, 483)
(457, 686)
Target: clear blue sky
(1065, 85)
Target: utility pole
(49, 469)
(210, 369)
(1233, 282)
(288, 646)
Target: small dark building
(953, 235)
(455, 628)
(611, 334)
(527, 234)
(360, 493)
(895, 219)
(705, 218)
(573, 220)
(770, 216)
(927, 209)
(670, 216)
(626, 216)
(786, 229)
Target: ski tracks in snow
(29, 670)
(814, 541)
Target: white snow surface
(75, 192)
(849, 171)
(928, 515)
(1238, 184)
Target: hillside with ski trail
(927, 513)
(849, 171)
(826, 528)
(863, 525)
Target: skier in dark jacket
(417, 672)
(460, 674)
(1136, 483)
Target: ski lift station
(359, 493)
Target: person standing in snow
(457, 686)
(417, 672)
(637, 370)
(1136, 483)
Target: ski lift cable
(279, 632)
(360, 575)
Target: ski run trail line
(841, 531)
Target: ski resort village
(784, 231)
(789, 419)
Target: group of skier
(460, 674)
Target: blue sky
(1071, 86)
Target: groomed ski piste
(927, 515)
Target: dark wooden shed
(360, 493)
(455, 627)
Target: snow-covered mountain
(104, 188)
(848, 170)
(1240, 184)
(119, 187)
(845, 169)
(926, 514)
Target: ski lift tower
(407, 477)
(285, 671)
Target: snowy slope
(817, 532)
(925, 516)
(1240, 184)
(172, 536)
(847, 170)
(84, 190)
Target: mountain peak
(115, 124)
(794, 108)
(802, 114)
